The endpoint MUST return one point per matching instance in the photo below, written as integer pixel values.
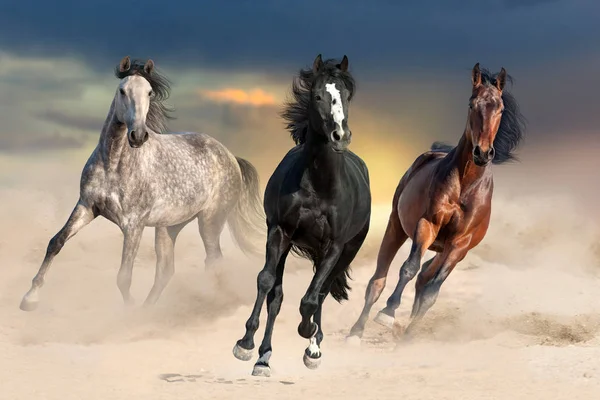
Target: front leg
(424, 236)
(80, 217)
(131, 243)
(312, 354)
(310, 301)
(278, 245)
(430, 279)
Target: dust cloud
(518, 318)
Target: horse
(443, 201)
(140, 175)
(317, 204)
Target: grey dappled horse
(137, 177)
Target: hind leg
(431, 279)
(211, 225)
(424, 237)
(393, 239)
(164, 245)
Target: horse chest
(311, 228)
(115, 199)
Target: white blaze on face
(337, 108)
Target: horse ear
(501, 79)
(125, 64)
(344, 64)
(476, 75)
(149, 67)
(317, 64)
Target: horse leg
(211, 225)
(164, 246)
(424, 237)
(80, 217)
(393, 239)
(131, 243)
(278, 244)
(310, 301)
(329, 274)
(431, 279)
(274, 300)
(312, 354)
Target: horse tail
(247, 219)
(339, 286)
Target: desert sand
(518, 319)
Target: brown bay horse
(443, 202)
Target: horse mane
(159, 113)
(512, 125)
(295, 111)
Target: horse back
(421, 161)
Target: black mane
(295, 111)
(159, 113)
(512, 125)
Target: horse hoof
(384, 319)
(399, 332)
(353, 341)
(242, 354)
(261, 370)
(27, 305)
(311, 363)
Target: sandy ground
(518, 319)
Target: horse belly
(414, 201)
(169, 216)
(168, 213)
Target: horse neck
(463, 160)
(113, 139)
(323, 164)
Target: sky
(232, 63)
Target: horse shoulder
(360, 164)
(92, 180)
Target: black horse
(318, 205)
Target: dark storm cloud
(80, 122)
(381, 35)
(526, 3)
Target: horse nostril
(133, 135)
(477, 151)
(491, 153)
(145, 136)
(335, 136)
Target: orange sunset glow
(253, 97)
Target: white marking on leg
(337, 108)
(313, 348)
(265, 358)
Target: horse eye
(150, 93)
(317, 97)
(122, 91)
